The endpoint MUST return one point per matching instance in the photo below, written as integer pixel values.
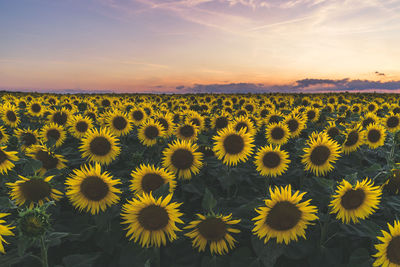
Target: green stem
(44, 252)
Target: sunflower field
(199, 180)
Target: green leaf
(80, 260)
(268, 253)
(360, 258)
(209, 202)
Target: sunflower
(6, 159)
(296, 123)
(332, 130)
(277, 133)
(354, 139)
(355, 203)
(312, 114)
(119, 123)
(138, 115)
(182, 158)
(149, 132)
(196, 119)
(90, 189)
(215, 230)
(53, 133)
(392, 122)
(220, 121)
(33, 190)
(320, 154)
(148, 178)
(271, 161)
(244, 122)
(233, 146)
(375, 135)
(27, 137)
(80, 125)
(388, 250)
(10, 116)
(151, 221)
(369, 118)
(392, 184)
(274, 116)
(60, 117)
(187, 132)
(5, 230)
(100, 146)
(284, 217)
(36, 109)
(166, 121)
(3, 135)
(49, 159)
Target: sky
(199, 45)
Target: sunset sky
(148, 45)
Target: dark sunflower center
(392, 251)
(221, 122)
(277, 133)
(394, 184)
(137, 115)
(60, 118)
(48, 161)
(392, 122)
(320, 155)
(94, 188)
(233, 144)
(100, 146)
(164, 123)
(374, 135)
(1, 135)
(356, 109)
(213, 229)
(396, 110)
(367, 122)
(11, 116)
(182, 159)
(271, 159)
(283, 216)
(311, 114)
(240, 126)
(53, 133)
(36, 108)
(153, 218)
(151, 132)
(3, 156)
(352, 199)
(274, 119)
(35, 189)
(186, 131)
(28, 139)
(333, 132)
(293, 125)
(371, 107)
(352, 139)
(264, 113)
(119, 123)
(105, 103)
(151, 182)
(82, 126)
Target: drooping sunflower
(149, 132)
(353, 204)
(320, 154)
(138, 115)
(36, 109)
(182, 158)
(215, 230)
(296, 123)
(60, 117)
(9, 115)
(80, 126)
(186, 131)
(392, 122)
(233, 146)
(119, 123)
(284, 216)
(388, 251)
(148, 178)
(100, 146)
(6, 159)
(92, 190)
(49, 159)
(277, 133)
(33, 190)
(3, 135)
(27, 137)
(271, 161)
(53, 132)
(151, 221)
(375, 135)
(354, 139)
(5, 230)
